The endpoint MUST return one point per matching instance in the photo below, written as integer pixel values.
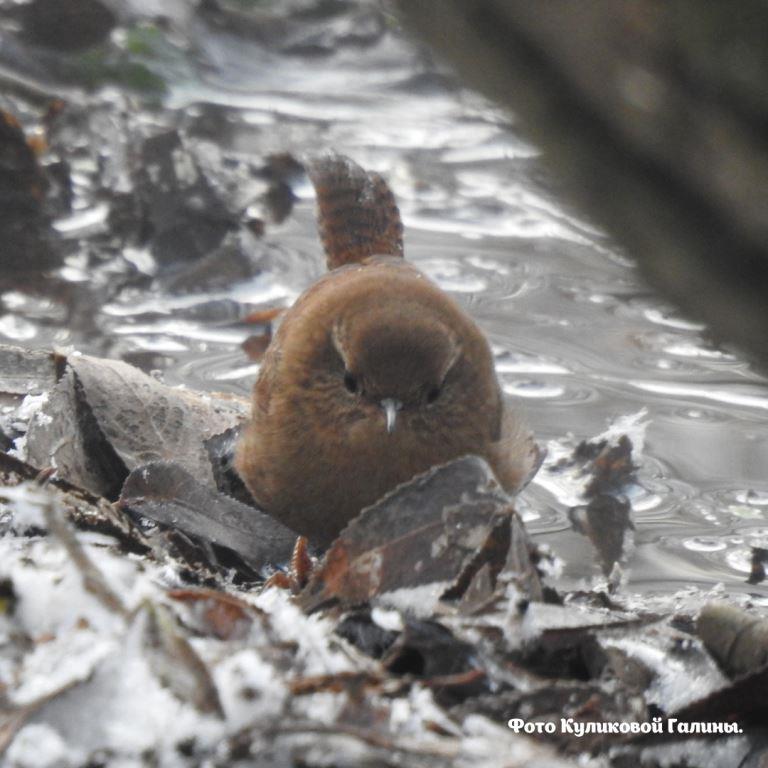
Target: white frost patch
(703, 753)
(124, 708)
(418, 601)
(633, 425)
(142, 259)
(26, 502)
(249, 688)
(315, 655)
(28, 411)
(539, 617)
(40, 746)
(42, 671)
(31, 405)
(490, 744)
(677, 680)
(390, 620)
(52, 599)
(409, 715)
(109, 696)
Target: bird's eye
(432, 395)
(350, 382)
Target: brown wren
(374, 375)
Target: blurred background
(587, 179)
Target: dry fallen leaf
(255, 346)
(168, 494)
(605, 521)
(216, 613)
(428, 531)
(606, 518)
(263, 316)
(176, 663)
(105, 418)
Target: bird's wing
(519, 455)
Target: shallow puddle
(579, 337)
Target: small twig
(460, 678)
(335, 683)
(93, 579)
(10, 725)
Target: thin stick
(93, 579)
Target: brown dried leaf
(338, 682)
(168, 494)
(428, 531)
(263, 316)
(145, 420)
(105, 418)
(757, 568)
(255, 346)
(605, 521)
(611, 469)
(216, 613)
(66, 435)
(176, 663)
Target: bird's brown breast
(315, 454)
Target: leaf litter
(143, 630)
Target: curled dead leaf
(439, 529)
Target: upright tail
(357, 214)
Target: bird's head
(395, 359)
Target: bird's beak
(391, 407)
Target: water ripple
(731, 396)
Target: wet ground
(580, 339)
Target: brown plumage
(357, 213)
(374, 376)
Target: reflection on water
(579, 339)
